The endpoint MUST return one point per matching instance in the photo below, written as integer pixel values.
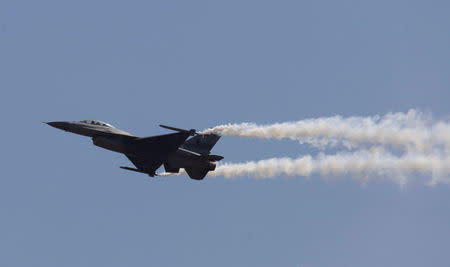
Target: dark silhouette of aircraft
(174, 150)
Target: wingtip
(191, 132)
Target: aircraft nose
(58, 124)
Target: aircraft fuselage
(105, 136)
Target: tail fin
(201, 143)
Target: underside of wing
(148, 166)
(149, 153)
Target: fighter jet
(174, 150)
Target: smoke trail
(398, 147)
(411, 131)
(361, 165)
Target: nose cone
(59, 124)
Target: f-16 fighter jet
(174, 150)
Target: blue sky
(197, 64)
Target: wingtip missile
(191, 132)
(137, 170)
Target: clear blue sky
(196, 64)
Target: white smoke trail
(166, 174)
(361, 165)
(398, 147)
(411, 131)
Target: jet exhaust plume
(166, 174)
(361, 165)
(411, 131)
(398, 147)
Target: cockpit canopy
(96, 122)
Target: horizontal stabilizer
(212, 157)
(201, 143)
